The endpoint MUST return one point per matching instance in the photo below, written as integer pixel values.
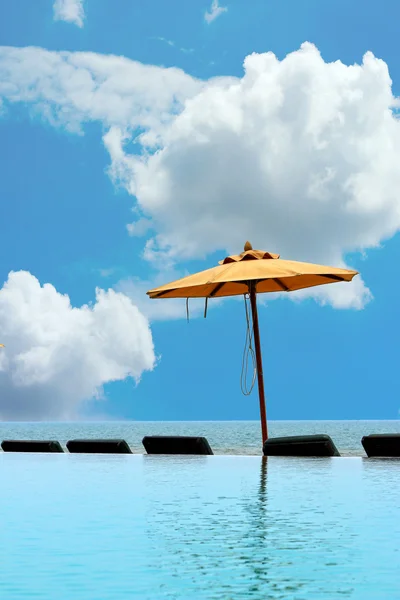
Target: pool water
(97, 527)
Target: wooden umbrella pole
(260, 376)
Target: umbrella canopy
(252, 272)
(267, 271)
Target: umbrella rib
(217, 288)
(281, 284)
(334, 277)
(163, 293)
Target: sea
(225, 437)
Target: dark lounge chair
(300, 445)
(31, 446)
(167, 444)
(382, 445)
(98, 447)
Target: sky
(142, 141)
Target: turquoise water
(221, 527)
(225, 437)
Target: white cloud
(139, 228)
(69, 89)
(57, 356)
(214, 12)
(299, 156)
(339, 295)
(70, 11)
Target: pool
(93, 527)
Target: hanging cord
(248, 353)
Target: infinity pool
(93, 527)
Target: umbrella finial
(248, 247)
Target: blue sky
(64, 219)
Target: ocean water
(225, 437)
(119, 527)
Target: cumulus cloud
(70, 11)
(340, 295)
(57, 356)
(215, 11)
(298, 155)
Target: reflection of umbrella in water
(249, 273)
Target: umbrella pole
(260, 376)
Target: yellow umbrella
(252, 272)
